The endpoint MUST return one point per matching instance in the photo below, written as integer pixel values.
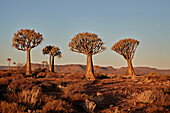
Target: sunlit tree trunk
(130, 68)
(52, 64)
(28, 71)
(89, 70)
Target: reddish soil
(111, 93)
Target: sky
(147, 21)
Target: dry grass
(30, 98)
(57, 106)
(154, 96)
(4, 81)
(53, 92)
(13, 107)
(158, 78)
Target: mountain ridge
(68, 68)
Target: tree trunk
(89, 70)
(28, 71)
(52, 64)
(130, 68)
(8, 65)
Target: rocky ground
(46, 92)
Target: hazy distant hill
(109, 70)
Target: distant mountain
(144, 70)
(109, 69)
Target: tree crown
(87, 43)
(8, 59)
(26, 39)
(126, 48)
(52, 50)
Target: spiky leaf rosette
(55, 51)
(126, 48)
(26, 39)
(47, 50)
(86, 43)
(52, 50)
(8, 59)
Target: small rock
(89, 106)
(99, 94)
(135, 103)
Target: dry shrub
(158, 77)
(103, 101)
(48, 87)
(30, 98)
(72, 89)
(36, 71)
(155, 109)
(153, 73)
(23, 83)
(112, 75)
(154, 96)
(41, 75)
(80, 97)
(21, 69)
(57, 106)
(4, 81)
(13, 107)
(51, 75)
(100, 75)
(6, 73)
(72, 76)
(17, 76)
(11, 95)
(46, 98)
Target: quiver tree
(47, 50)
(9, 60)
(25, 40)
(52, 51)
(55, 52)
(127, 48)
(14, 63)
(88, 44)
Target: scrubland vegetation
(49, 92)
(46, 91)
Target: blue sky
(59, 20)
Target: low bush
(154, 96)
(30, 98)
(158, 77)
(57, 106)
(72, 76)
(4, 81)
(13, 107)
(51, 75)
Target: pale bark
(130, 68)
(28, 71)
(89, 70)
(8, 65)
(52, 64)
